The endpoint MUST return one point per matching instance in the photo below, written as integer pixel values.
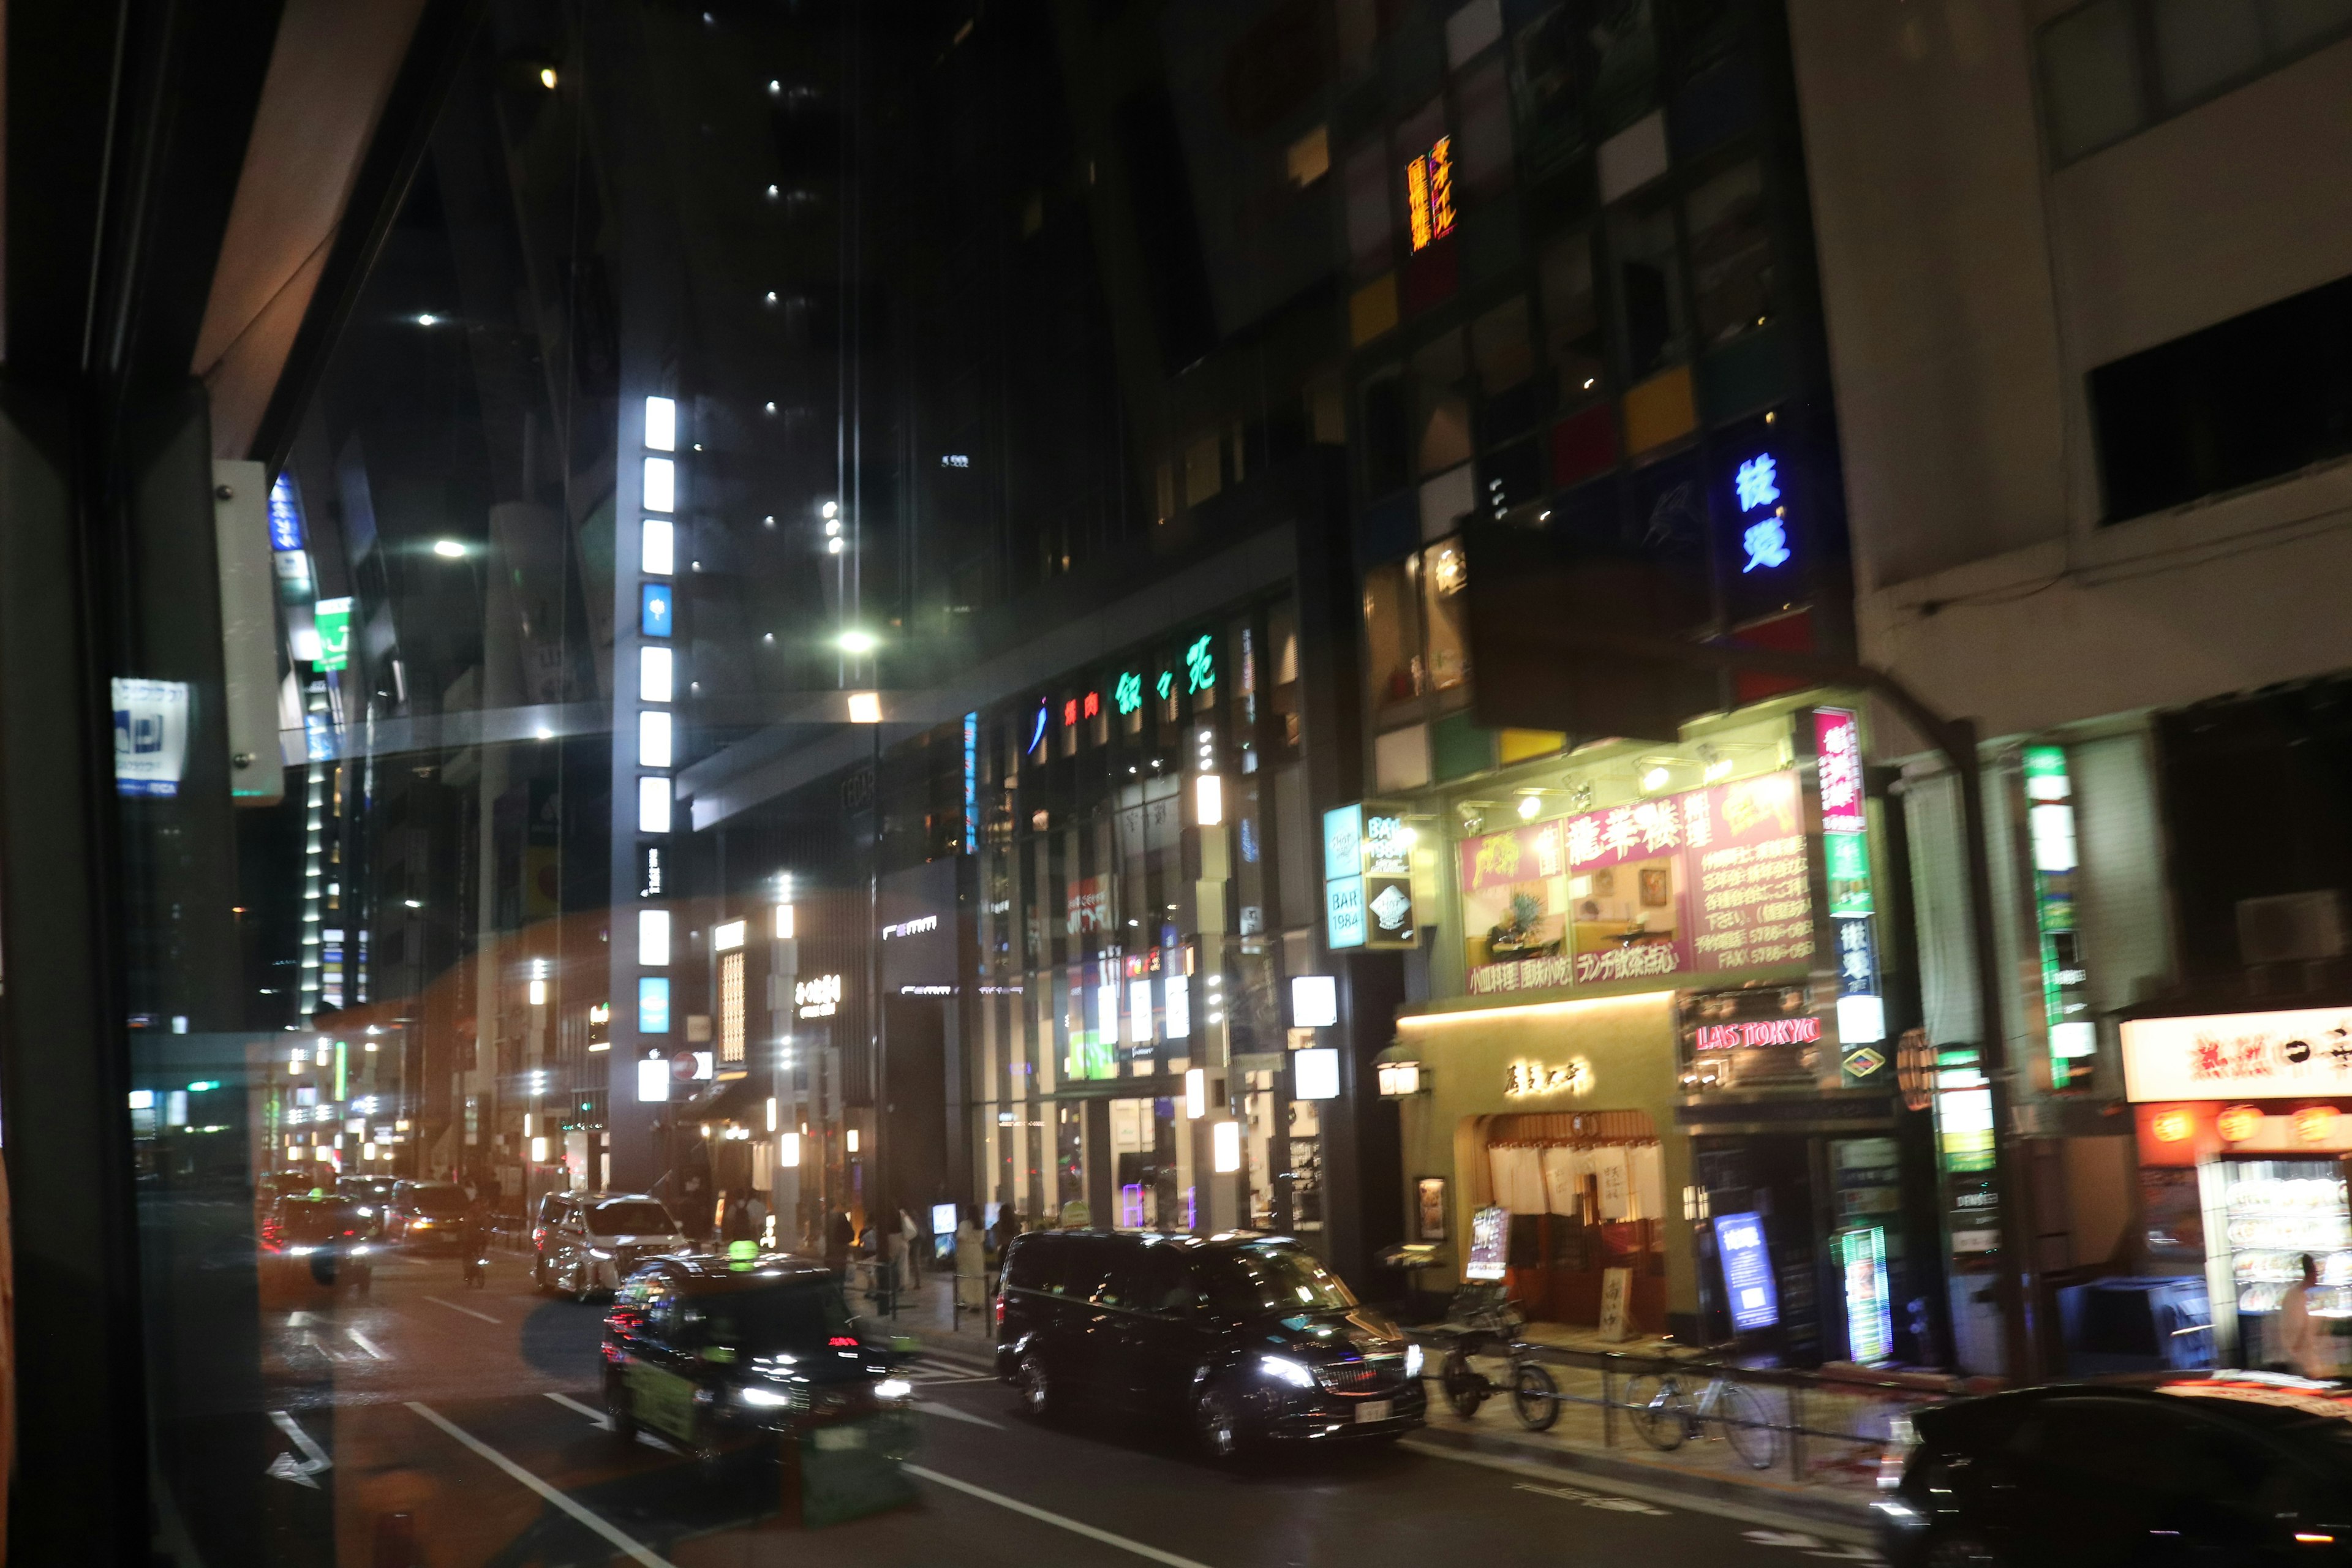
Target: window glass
(1545, 73)
(2090, 72)
(630, 1219)
(1444, 609)
(1625, 79)
(1388, 441)
(1649, 290)
(2202, 45)
(1731, 254)
(1440, 371)
(1369, 220)
(1572, 320)
(1272, 1279)
(1483, 147)
(1392, 636)
(800, 1315)
(1500, 349)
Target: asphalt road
(473, 1414)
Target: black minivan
(1244, 1337)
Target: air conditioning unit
(2290, 928)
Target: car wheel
(1959, 1550)
(1217, 1422)
(1039, 1396)
(620, 1413)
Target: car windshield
(439, 1200)
(1274, 1278)
(642, 1217)
(797, 1316)
(314, 1221)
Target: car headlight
(893, 1388)
(600, 1252)
(763, 1398)
(362, 1250)
(1413, 1361)
(301, 1251)
(1283, 1369)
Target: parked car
(585, 1242)
(1244, 1338)
(697, 1347)
(317, 1242)
(427, 1216)
(2243, 1468)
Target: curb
(1811, 1502)
(968, 1356)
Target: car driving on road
(317, 1240)
(2244, 1468)
(427, 1216)
(1243, 1337)
(697, 1347)
(582, 1243)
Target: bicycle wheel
(1535, 1395)
(1741, 1418)
(1656, 1404)
(1466, 1390)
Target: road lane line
(1049, 1517)
(454, 1307)
(635, 1549)
(595, 1416)
(933, 1407)
(367, 1344)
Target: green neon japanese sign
(1128, 693)
(1200, 670)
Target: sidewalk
(1839, 1477)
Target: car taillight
(538, 1233)
(1000, 1311)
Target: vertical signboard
(1869, 1311)
(1490, 1243)
(1343, 878)
(150, 736)
(333, 620)
(1746, 1272)
(1845, 853)
(2065, 1001)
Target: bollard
(1607, 1408)
(1796, 1432)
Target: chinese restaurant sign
(1701, 883)
(2239, 1056)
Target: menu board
(1701, 883)
(1490, 1243)
(1746, 1272)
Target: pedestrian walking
(2303, 1338)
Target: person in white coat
(2304, 1339)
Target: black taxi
(699, 1347)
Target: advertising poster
(1747, 1285)
(1869, 1313)
(150, 736)
(1490, 1243)
(1702, 883)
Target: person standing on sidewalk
(912, 1237)
(2301, 1337)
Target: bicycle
(1666, 1415)
(1483, 1319)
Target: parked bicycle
(1482, 1319)
(1667, 1414)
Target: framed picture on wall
(1430, 1194)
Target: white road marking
(595, 1416)
(367, 1344)
(933, 1407)
(635, 1549)
(1049, 1517)
(286, 1466)
(454, 1307)
(1812, 1546)
(1593, 1499)
(1694, 1502)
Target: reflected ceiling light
(1529, 805)
(448, 549)
(859, 642)
(866, 708)
(547, 77)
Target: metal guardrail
(1804, 1396)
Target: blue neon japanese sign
(1763, 519)
(285, 515)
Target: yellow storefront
(1562, 1112)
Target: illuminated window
(653, 738)
(661, 424)
(653, 937)
(730, 1007)
(660, 554)
(1429, 194)
(654, 674)
(661, 485)
(653, 805)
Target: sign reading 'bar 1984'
(2239, 1056)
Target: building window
(1310, 158)
(1649, 290)
(1444, 612)
(1439, 371)
(2115, 66)
(1625, 79)
(1730, 254)
(2252, 398)
(1571, 320)
(1392, 665)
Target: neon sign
(1037, 735)
(1128, 693)
(1766, 538)
(1429, 194)
(1200, 671)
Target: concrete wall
(1970, 291)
